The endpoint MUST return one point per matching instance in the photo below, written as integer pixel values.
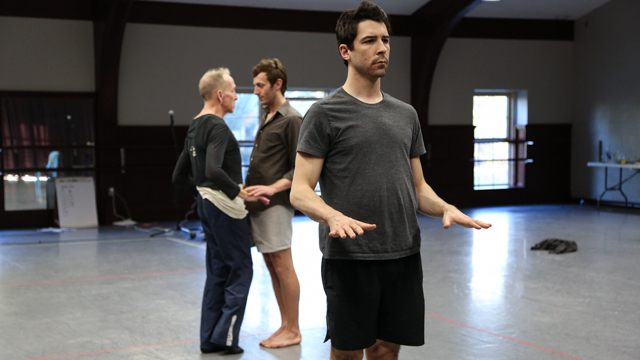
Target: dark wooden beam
(46, 94)
(108, 31)
(148, 12)
(432, 25)
(58, 9)
(164, 13)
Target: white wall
(543, 68)
(607, 93)
(593, 82)
(161, 66)
(46, 55)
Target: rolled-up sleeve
(292, 131)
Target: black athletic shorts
(374, 299)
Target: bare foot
(284, 339)
(268, 340)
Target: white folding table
(635, 168)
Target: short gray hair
(212, 81)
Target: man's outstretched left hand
(454, 216)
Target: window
(499, 118)
(245, 119)
(43, 138)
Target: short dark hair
(274, 70)
(347, 26)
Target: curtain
(36, 122)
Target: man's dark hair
(347, 26)
(274, 70)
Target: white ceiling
(516, 9)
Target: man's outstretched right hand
(342, 226)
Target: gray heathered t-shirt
(367, 172)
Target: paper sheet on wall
(76, 201)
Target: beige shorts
(271, 229)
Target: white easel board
(76, 201)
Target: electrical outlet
(111, 191)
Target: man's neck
(277, 103)
(212, 109)
(362, 88)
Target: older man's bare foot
(284, 339)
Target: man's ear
(344, 52)
(277, 85)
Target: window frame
(249, 90)
(516, 140)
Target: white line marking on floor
(72, 242)
(190, 243)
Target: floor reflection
(489, 258)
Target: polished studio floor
(117, 293)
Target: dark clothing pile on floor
(556, 246)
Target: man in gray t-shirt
(367, 151)
(364, 147)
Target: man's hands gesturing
(260, 190)
(454, 216)
(252, 198)
(342, 226)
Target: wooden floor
(117, 293)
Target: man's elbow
(294, 196)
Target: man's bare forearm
(269, 190)
(281, 185)
(306, 200)
(429, 203)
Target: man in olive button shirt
(270, 174)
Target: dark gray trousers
(229, 274)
